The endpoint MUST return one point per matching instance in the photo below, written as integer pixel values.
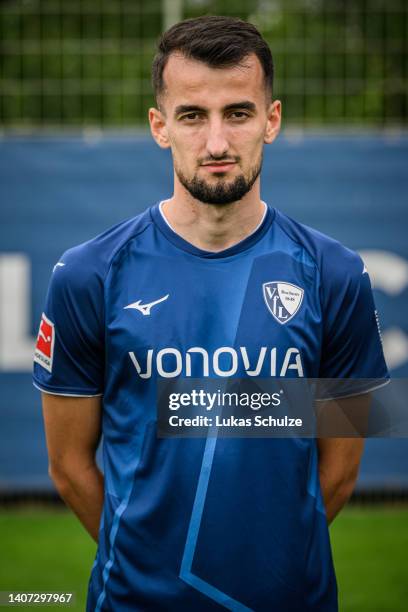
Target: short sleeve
(352, 346)
(69, 353)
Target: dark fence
(85, 62)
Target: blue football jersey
(212, 523)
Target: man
(192, 288)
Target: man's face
(216, 121)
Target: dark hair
(217, 41)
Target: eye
(239, 115)
(193, 116)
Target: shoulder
(90, 261)
(335, 262)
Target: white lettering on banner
(16, 342)
(389, 273)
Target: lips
(219, 166)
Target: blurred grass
(48, 550)
(370, 553)
(45, 550)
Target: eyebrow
(189, 108)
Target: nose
(217, 144)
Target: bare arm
(339, 458)
(73, 430)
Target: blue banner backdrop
(59, 191)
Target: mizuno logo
(146, 308)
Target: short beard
(221, 193)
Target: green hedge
(70, 62)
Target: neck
(213, 227)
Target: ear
(273, 124)
(158, 128)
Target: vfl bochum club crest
(282, 299)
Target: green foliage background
(87, 62)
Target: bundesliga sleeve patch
(44, 349)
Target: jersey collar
(180, 243)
